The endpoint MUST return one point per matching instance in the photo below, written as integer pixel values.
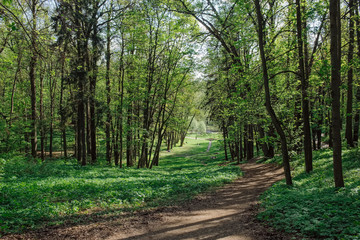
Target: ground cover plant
(35, 195)
(313, 207)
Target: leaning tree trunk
(269, 108)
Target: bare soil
(226, 213)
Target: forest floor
(226, 213)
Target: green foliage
(313, 207)
(198, 127)
(35, 195)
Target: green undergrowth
(34, 195)
(313, 207)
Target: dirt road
(227, 213)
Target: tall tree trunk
(224, 137)
(269, 108)
(62, 109)
(32, 77)
(183, 135)
(108, 93)
(129, 138)
(93, 79)
(335, 48)
(240, 145)
(16, 78)
(52, 101)
(263, 144)
(349, 107)
(357, 95)
(250, 142)
(304, 90)
(81, 146)
(88, 126)
(81, 79)
(42, 125)
(121, 118)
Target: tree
(335, 30)
(349, 104)
(276, 122)
(304, 89)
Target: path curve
(228, 213)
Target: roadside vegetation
(312, 207)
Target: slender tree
(349, 103)
(335, 30)
(269, 108)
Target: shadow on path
(228, 213)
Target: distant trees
(105, 67)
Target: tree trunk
(129, 137)
(250, 142)
(32, 77)
(121, 126)
(304, 91)
(62, 109)
(93, 79)
(88, 127)
(349, 107)
(263, 144)
(52, 101)
(335, 48)
(16, 78)
(42, 125)
(225, 145)
(108, 93)
(357, 95)
(276, 122)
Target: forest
(118, 106)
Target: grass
(313, 207)
(35, 195)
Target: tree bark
(349, 104)
(357, 95)
(304, 91)
(62, 109)
(250, 142)
(335, 48)
(52, 101)
(93, 79)
(32, 77)
(224, 137)
(108, 93)
(42, 125)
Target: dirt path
(228, 213)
